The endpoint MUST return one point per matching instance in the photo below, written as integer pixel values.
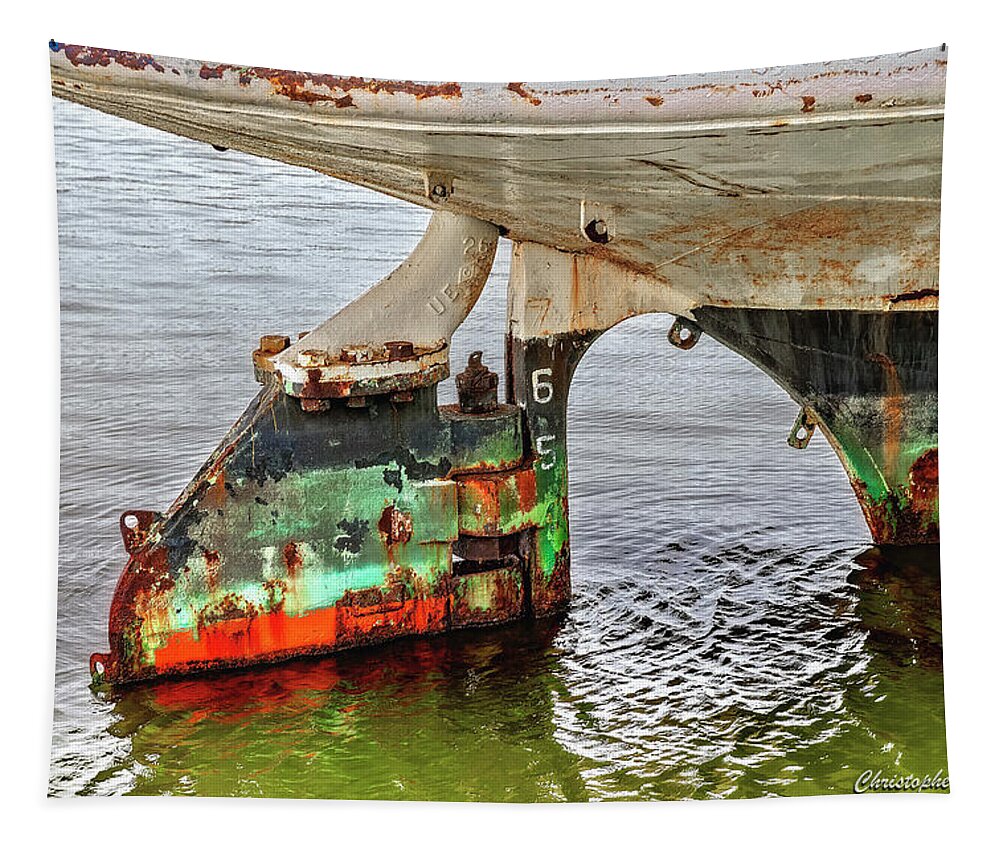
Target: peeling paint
(299, 86)
(521, 91)
(79, 55)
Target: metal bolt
(356, 354)
(399, 349)
(312, 357)
(439, 192)
(315, 406)
(477, 387)
(272, 344)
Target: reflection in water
(437, 719)
(722, 639)
(901, 604)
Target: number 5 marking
(547, 454)
(542, 390)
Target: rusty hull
(809, 186)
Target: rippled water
(731, 635)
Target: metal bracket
(135, 527)
(597, 222)
(683, 334)
(438, 187)
(802, 430)
(395, 336)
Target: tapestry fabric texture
(516, 442)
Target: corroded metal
(477, 386)
(790, 213)
(786, 187)
(396, 336)
(802, 430)
(684, 334)
(288, 543)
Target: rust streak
(299, 86)
(292, 558)
(78, 55)
(395, 526)
(519, 89)
(893, 406)
(207, 72)
(212, 561)
(923, 480)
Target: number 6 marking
(540, 442)
(542, 390)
